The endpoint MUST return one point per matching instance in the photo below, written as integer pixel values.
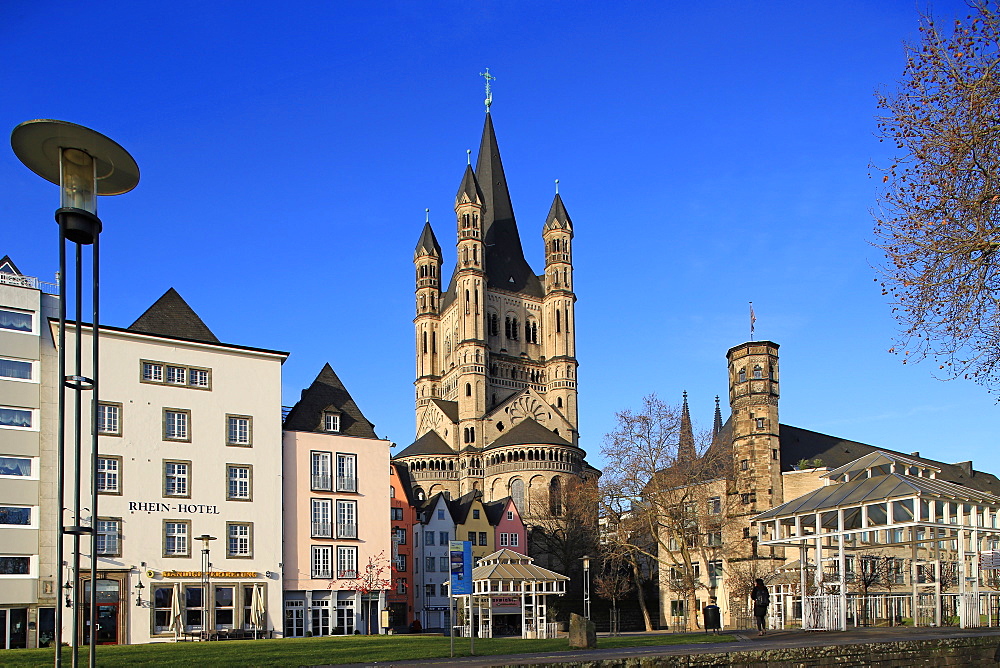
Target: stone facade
(496, 387)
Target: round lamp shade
(37, 144)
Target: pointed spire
(685, 446)
(717, 424)
(428, 244)
(506, 267)
(469, 188)
(558, 218)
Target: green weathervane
(489, 88)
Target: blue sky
(710, 154)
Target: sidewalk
(746, 640)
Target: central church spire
(506, 267)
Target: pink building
(337, 543)
(509, 529)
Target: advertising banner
(461, 567)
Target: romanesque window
(555, 497)
(468, 390)
(517, 492)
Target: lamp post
(84, 164)
(586, 585)
(205, 565)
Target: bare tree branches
(938, 218)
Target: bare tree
(560, 539)
(664, 492)
(613, 584)
(938, 218)
(372, 580)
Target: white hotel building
(189, 445)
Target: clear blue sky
(710, 154)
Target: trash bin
(712, 618)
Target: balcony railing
(347, 483)
(28, 282)
(347, 530)
(347, 574)
(321, 530)
(321, 482)
(321, 574)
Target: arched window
(555, 496)
(558, 321)
(506, 327)
(517, 492)
(468, 389)
(424, 338)
(743, 375)
(434, 343)
(514, 329)
(558, 402)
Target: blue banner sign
(461, 567)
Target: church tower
(753, 397)
(496, 395)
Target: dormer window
(331, 422)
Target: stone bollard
(582, 634)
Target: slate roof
(469, 187)
(171, 316)
(427, 244)
(449, 408)
(494, 510)
(461, 506)
(405, 482)
(428, 444)
(327, 393)
(528, 432)
(798, 444)
(506, 267)
(557, 212)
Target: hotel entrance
(110, 612)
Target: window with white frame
(176, 375)
(175, 478)
(321, 511)
(108, 536)
(240, 478)
(109, 475)
(396, 514)
(504, 539)
(331, 422)
(347, 519)
(321, 558)
(109, 421)
(510, 515)
(347, 466)
(14, 565)
(17, 418)
(176, 424)
(16, 467)
(15, 516)
(240, 539)
(399, 561)
(239, 430)
(12, 369)
(513, 540)
(347, 562)
(399, 536)
(17, 321)
(321, 467)
(176, 535)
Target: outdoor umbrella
(257, 607)
(175, 610)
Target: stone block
(582, 633)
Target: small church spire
(427, 215)
(489, 87)
(468, 156)
(557, 186)
(717, 424)
(685, 446)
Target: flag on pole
(753, 319)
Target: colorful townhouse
(431, 535)
(508, 527)
(402, 517)
(337, 544)
(472, 524)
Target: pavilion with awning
(506, 576)
(888, 509)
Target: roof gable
(7, 266)
(171, 316)
(327, 393)
(528, 432)
(428, 444)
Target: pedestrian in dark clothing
(761, 599)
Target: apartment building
(403, 517)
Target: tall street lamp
(205, 566)
(586, 586)
(84, 164)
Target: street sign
(461, 567)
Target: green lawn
(312, 651)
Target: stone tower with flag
(496, 367)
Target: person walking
(761, 599)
